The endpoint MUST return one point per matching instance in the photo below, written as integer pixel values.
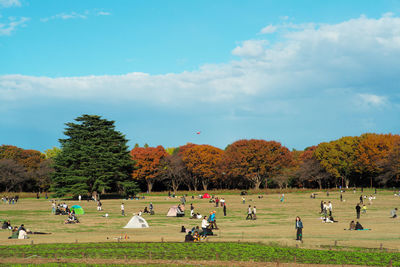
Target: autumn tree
(255, 160)
(94, 159)
(390, 167)
(202, 162)
(311, 171)
(372, 149)
(148, 164)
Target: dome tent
(137, 222)
(206, 195)
(78, 209)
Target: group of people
(60, 208)
(10, 200)
(19, 232)
(251, 213)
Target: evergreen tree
(93, 159)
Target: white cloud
(268, 29)
(64, 16)
(9, 3)
(11, 25)
(103, 13)
(251, 48)
(371, 100)
(300, 71)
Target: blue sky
(299, 72)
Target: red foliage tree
(148, 164)
(255, 160)
(202, 162)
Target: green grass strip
(200, 251)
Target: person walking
(224, 208)
(254, 213)
(299, 228)
(122, 209)
(322, 206)
(283, 197)
(358, 210)
(249, 212)
(361, 199)
(341, 197)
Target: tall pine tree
(93, 159)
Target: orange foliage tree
(148, 164)
(255, 160)
(202, 162)
(373, 149)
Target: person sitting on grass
(6, 225)
(22, 234)
(189, 237)
(196, 237)
(359, 226)
(352, 226)
(332, 219)
(146, 210)
(14, 233)
(204, 226)
(393, 213)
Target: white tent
(175, 212)
(137, 222)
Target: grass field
(275, 223)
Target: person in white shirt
(80, 198)
(222, 202)
(204, 225)
(254, 213)
(330, 208)
(122, 209)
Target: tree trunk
(174, 185)
(149, 186)
(257, 185)
(205, 185)
(347, 182)
(320, 184)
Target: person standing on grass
(299, 228)
(330, 208)
(254, 213)
(249, 213)
(361, 199)
(322, 206)
(122, 209)
(191, 210)
(283, 197)
(341, 197)
(222, 202)
(358, 210)
(224, 209)
(79, 198)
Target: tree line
(95, 158)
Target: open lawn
(274, 224)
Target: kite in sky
(198, 132)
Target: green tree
(339, 157)
(52, 152)
(94, 158)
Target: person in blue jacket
(299, 228)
